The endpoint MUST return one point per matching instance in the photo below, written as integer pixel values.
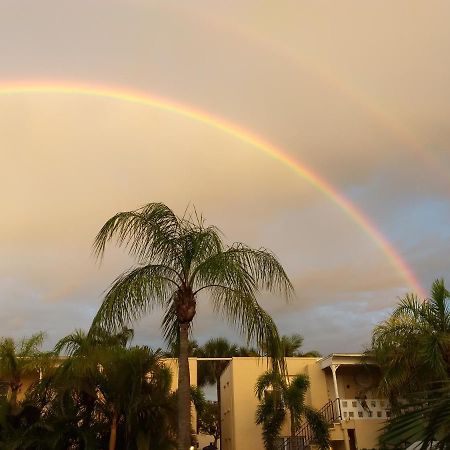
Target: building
(342, 386)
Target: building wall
(367, 433)
(172, 364)
(239, 402)
(227, 408)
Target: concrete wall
(367, 433)
(172, 364)
(227, 408)
(239, 402)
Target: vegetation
(18, 360)
(425, 418)
(177, 260)
(209, 420)
(412, 348)
(105, 394)
(280, 397)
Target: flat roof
(345, 359)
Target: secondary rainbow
(333, 80)
(232, 129)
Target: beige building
(342, 386)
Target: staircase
(331, 411)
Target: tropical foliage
(209, 420)
(412, 348)
(19, 360)
(177, 260)
(105, 394)
(424, 418)
(281, 397)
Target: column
(334, 367)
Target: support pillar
(334, 367)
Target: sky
(356, 92)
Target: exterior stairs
(304, 437)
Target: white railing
(369, 408)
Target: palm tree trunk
(14, 386)
(184, 395)
(113, 434)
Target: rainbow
(402, 133)
(277, 154)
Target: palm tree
(279, 396)
(18, 360)
(412, 347)
(177, 259)
(209, 371)
(127, 379)
(292, 344)
(174, 348)
(124, 388)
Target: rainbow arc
(232, 129)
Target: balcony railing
(369, 408)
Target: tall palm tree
(279, 396)
(174, 348)
(178, 259)
(18, 360)
(412, 347)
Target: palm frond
(32, 345)
(243, 312)
(268, 380)
(261, 265)
(146, 233)
(319, 426)
(133, 294)
(72, 343)
(271, 416)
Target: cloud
(357, 92)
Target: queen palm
(177, 260)
(279, 396)
(412, 346)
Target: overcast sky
(357, 91)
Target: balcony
(363, 409)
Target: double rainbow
(241, 134)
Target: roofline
(340, 355)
